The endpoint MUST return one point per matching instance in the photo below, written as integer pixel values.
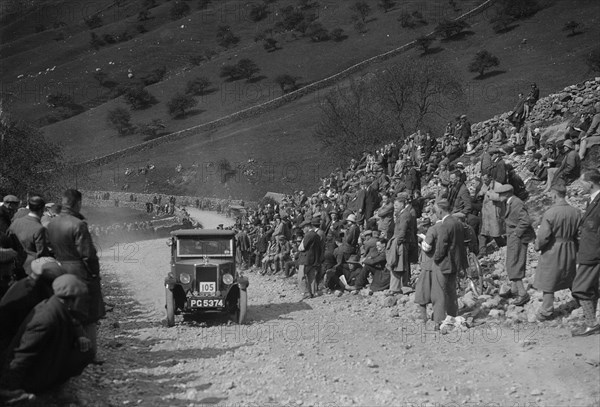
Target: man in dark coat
(570, 168)
(72, 245)
(498, 170)
(49, 347)
(373, 262)
(23, 296)
(309, 260)
(349, 244)
(450, 257)
(585, 286)
(519, 234)
(557, 241)
(30, 232)
(459, 197)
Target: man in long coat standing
(493, 210)
(73, 247)
(519, 234)
(309, 260)
(557, 242)
(398, 248)
(450, 257)
(585, 285)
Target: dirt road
(326, 351)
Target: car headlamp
(227, 278)
(185, 278)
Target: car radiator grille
(207, 274)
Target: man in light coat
(557, 242)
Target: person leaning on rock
(587, 278)
(519, 234)
(557, 243)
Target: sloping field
(283, 139)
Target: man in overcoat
(309, 260)
(557, 242)
(519, 234)
(73, 247)
(450, 257)
(585, 285)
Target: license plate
(205, 303)
(207, 287)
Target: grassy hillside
(281, 143)
(171, 43)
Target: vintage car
(203, 276)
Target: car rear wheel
(240, 314)
(170, 307)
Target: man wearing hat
(424, 282)
(587, 278)
(25, 294)
(557, 242)
(400, 255)
(349, 244)
(9, 206)
(519, 234)
(73, 247)
(30, 232)
(498, 169)
(450, 256)
(384, 215)
(570, 168)
(42, 356)
(309, 260)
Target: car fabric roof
(203, 232)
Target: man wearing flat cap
(498, 170)
(309, 260)
(30, 232)
(41, 356)
(519, 234)
(570, 167)
(557, 242)
(24, 295)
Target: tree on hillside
(120, 119)
(411, 20)
(247, 68)
(386, 5)
(483, 60)
(307, 4)
(137, 97)
(259, 12)
(28, 161)
(230, 71)
(150, 130)
(423, 43)
(501, 22)
(179, 104)
(101, 77)
(93, 21)
(337, 34)
(225, 37)
(316, 32)
(270, 44)
(362, 9)
(395, 103)
(179, 9)
(286, 82)
(197, 86)
(451, 28)
(571, 26)
(519, 9)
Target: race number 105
(205, 287)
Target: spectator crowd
(408, 217)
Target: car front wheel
(170, 307)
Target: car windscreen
(196, 247)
